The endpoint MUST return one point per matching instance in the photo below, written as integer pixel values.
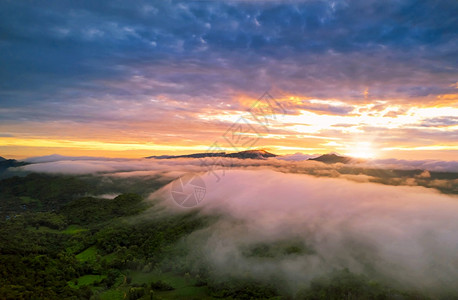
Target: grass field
(86, 280)
(87, 255)
(72, 229)
(109, 257)
(112, 295)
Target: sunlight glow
(362, 150)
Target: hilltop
(332, 159)
(248, 154)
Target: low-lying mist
(434, 174)
(287, 223)
(289, 229)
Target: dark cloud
(203, 51)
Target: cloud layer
(290, 163)
(175, 73)
(439, 175)
(402, 236)
(334, 217)
(196, 49)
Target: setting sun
(362, 150)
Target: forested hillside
(57, 241)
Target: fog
(403, 236)
(369, 171)
(290, 163)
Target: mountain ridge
(10, 163)
(329, 158)
(332, 158)
(247, 154)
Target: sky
(371, 79)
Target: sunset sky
(371, 79)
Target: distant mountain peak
(253, 154)
(247, 154)
(2, 158)
(332, 158)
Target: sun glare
(361, 150)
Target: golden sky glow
(366, 130)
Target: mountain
(9, 163)
(332, 159)
(194, 155)
(251, 154)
